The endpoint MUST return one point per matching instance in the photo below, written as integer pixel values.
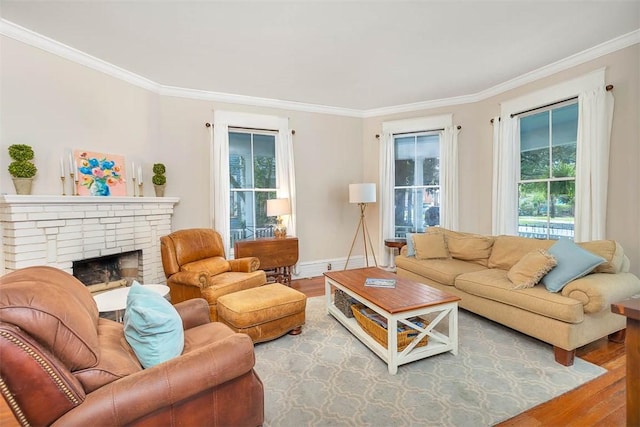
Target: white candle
(61, 167)
(72, 168)
(133, 170)
(140, 174)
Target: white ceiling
(358, 55)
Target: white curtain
(595, 115)
(220, 181)
(449, 178)
(387, 199)
(285, 172)
(506, 171)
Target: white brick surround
(57, 230)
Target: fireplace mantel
(57, 230)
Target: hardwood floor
(600, 402)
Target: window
(417, 182)
(252, 181)
(546, 189)
(547, 175)
(251, 161)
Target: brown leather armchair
(195, 265)
(61, 364)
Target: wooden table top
(629, 307)
(407, 295)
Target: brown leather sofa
(61, 364)
(195, 265)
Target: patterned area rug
(326, 377)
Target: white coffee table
(116, 299)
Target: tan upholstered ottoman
(265, 312)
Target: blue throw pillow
(152, 326)
(573, 262)
(411, 249)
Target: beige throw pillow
(531, 268)
(430, 246)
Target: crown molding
(16, 32)
(602, 49)
(205, 95)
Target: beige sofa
(476, 268)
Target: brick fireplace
(60, 230)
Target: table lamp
(279, 207)
(362, 194)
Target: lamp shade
(276, 207)
(362, 193)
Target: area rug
(326, 377)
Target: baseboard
(305, 270)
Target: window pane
(534, 146)
(532, 212)
(405, 161)
(562, 208)
(428, 149)
(405, 207)
(240, 174)
(264, 151)
(565, 134)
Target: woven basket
(379, 333)
(343, 302)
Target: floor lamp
(362, 194)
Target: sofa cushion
(443, 271)
(573, 262)
(495, 285)
(430, 246)
(470, 248)
(610, 250)
(508, 250)
(531, 268)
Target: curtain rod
(608, 88)
(293, 132)
(430, 130)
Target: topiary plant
(21, 167)
(158, 174)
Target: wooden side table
(277, 255)
(631, 308)
(394, 244)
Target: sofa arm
(245, 265)
(193, 312)
(158, 388)
(598, 291)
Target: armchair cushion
(152, 326)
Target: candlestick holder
(74, 187)
(140, 190)
(134, 186)
(63, 192)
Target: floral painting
(99, 174)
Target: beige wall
(475, 152)
(55, 105)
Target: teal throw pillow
(573, 262)
(152, 326)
